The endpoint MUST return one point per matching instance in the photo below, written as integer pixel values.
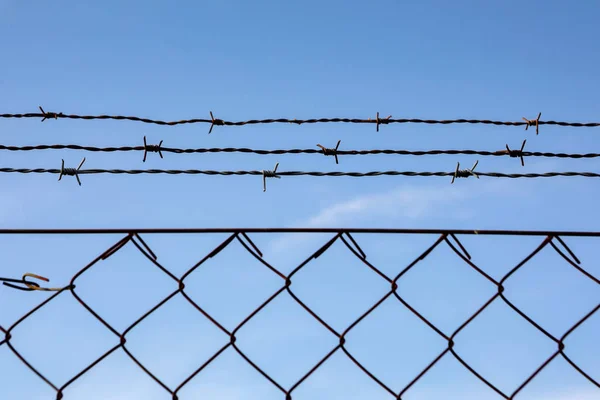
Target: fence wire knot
(269, 174)
(517, 153)
(464, 173)
(71, 171)
(536, 122)
(49, 115)
(331, 152)
(215, 121)
(5, 281)
(32, 285)
(35, 286)
(152, 148)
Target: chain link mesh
(444, 238)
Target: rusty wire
(448, 238)
(27, 285)
(44, 115)
(324, 151)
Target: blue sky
(243, 60)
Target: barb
(536, 122)
(269, 174)
(464, 173)
(49, 115)
(516, 153)
(71, 171)
(382, 121)
(500, 153)
(213, 121)
(152, 148)
(331, 152)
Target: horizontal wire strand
(221, 122)
(293, 151)
(292, 173)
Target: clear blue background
(242, 60)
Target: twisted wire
(296, 151)
(213, 121)
(291, 173)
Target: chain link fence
(382, 247)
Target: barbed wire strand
(160, 148)
(286, 173)
(377, 121)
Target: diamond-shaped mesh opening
(115, 378)
(391, 333)
(178, 252)
(61, 330)
(448, 379)
(392, 253)
(582, 346)
(503, 347)
(497, 255)
(136, 285)
(285, 341)
(288, 250)
(339, 286)
(587, 251)
(232, 284)
(20, 303)
(229, 376)
(180, 337)
(444, 288)
(559, 380)
(340, 378)
(15, 377)
(543, 288)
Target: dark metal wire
(448, 238)
(23, 284)
(221, 122)
(290, 173)
(157, 148)
(184, 231)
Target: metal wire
(288, 173)
(221, 122)
(292, 151)
(449, 238)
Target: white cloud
(406, 202)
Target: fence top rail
(104, 231)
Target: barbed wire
(291, 173)
(458, 173)
(146, 148)
(445, 239)
(377, 120)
